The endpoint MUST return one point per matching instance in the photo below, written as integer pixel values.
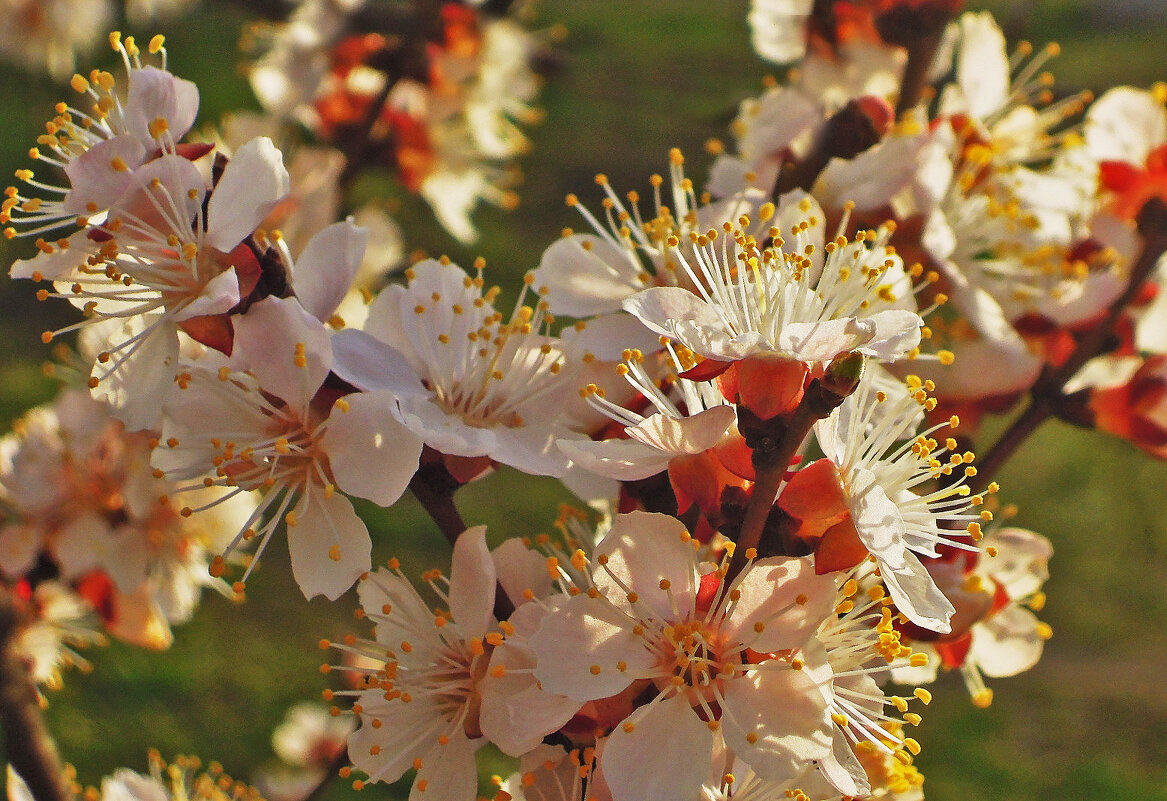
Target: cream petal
(916, 594)
(324, 271)
(665, 757)
(622, 459)
(580, 647)
(684, 435)
(659, 307)
(329, 545)
(642, 549)
(271, 337)
(587, 275)
(768, 590)
(516, 713)
(982, 66)
(155, 93)
(369, 364)
(472, 583)
(520, 570)
(785, 710)
(1006, 643)
(253, 182)
(1124, 125)
(371, 454)
(448, 771)
(94, 179)
(217, 296)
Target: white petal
(684, 435)
(371, 454)
(370, 364)
(826, 339)
(217, 296)
(916, 594)
(253, 182)
(877, 519)
(665, 757)
(786, 711)
(642, 548)
(140, 386)
(325, 269)
(583, 635)
(659, 306)
(1124, 125)
(95, 180)
(155, 93)
(768, 592)
(521, 569)
(270, 338)
(329, 545)
(448, 772)
(982, 68)
(472, 583)
(516, 714)
(1006, 643)
(622, 459)
(587, 275)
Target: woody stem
(30, 749)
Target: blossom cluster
(767, 396)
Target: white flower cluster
(758, 397)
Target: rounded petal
(516, 713)
(770, 590)
(329, 545)
(659, 308)
(1007, 643)
(370, 364)
(587, 275)
(916, 594)
(371, 454)
(521, 570)
(581, 646)
(786, 714)
(287, 349)
(622, 459)
(684, 435)
(95, 180)
(642, 550)
(448, 771)
(253, 182)
(661, 753)
(325, 269)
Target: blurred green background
(1089, 722)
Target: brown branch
(30, 749)
(434, 488)
(779, 441)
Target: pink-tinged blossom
(445, 682)
(166, 263)
(273, 429)
(900, 495)
(585, 274)
(996, 631)
(470, 382)
(723, 657)
(801, 300)
(98, 141)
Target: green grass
(1086, 723)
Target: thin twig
(30, 749)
